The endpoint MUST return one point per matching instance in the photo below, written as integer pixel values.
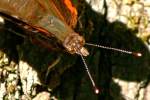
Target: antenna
(137, 54)
(89, 74)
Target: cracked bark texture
(28, 71)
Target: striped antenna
(96, 90)
(137, 54)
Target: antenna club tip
(138, 54)
(96, 90)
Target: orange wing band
(70, 6)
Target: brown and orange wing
(65, 10)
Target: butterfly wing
(67, 10)
(55, 18)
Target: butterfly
(47, 20)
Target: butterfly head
(74, 44)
